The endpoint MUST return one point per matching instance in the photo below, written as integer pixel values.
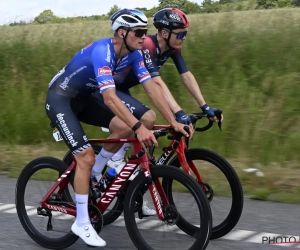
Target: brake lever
(220, 125)
(218, 114)
(187, 129)
(151, 150)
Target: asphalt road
(259, 219)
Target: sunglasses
(140, 32)
(179, 35)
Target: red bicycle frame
(139, 158)
(180, 151)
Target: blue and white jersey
(93, 68)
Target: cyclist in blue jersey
(171, 25)
(70, 100)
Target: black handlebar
(162, 132)
(196, 116)
(136, 156)
(177, 139)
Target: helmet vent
(129, 19)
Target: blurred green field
(246, 63)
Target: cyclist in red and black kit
(172, 26)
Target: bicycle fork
(157, 193)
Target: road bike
(57, 202)
(185, 158)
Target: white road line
(6, 206)
(11, 211)
(149, 224)
(31, 212)
(166, 228)
(234, 235)
(238, 234)
(65, 217)
(119, 223)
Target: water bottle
(107, 178)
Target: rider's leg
(117, 127)
(121, 153)
(118, 130)
(82, 226)
(96, 113)
(62, 115)
(84, 163)
(141, 112)
(148, 119)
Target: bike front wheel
(154, 233)
(222, 186)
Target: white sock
(102, 158)
(122, 151)
(82, 214)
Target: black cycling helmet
(170, 18)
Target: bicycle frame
(139, 158)
(180, 151)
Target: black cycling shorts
(137, 108)
(66, 113)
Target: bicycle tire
(112, 215)
(33, 166)
(157, 171)
(236, 209)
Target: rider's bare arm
(192, 86)
(174, 106)
(155, 94)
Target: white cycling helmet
(128, 18)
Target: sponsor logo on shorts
(64, 128)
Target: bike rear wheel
(181, 240)
(111, 214)
(234, 212)
(26, 212)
